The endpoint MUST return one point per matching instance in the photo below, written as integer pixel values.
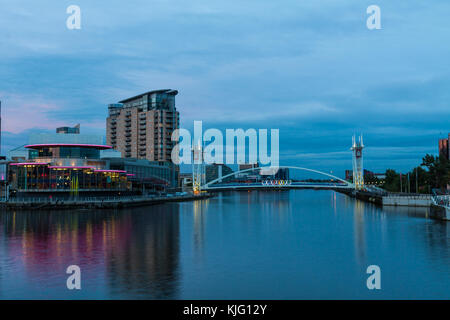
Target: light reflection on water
(299, 244)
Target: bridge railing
(441, 200)
(54, 200)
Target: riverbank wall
(414, 200)
(106, 203)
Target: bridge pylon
(198, 168)
(358, 171)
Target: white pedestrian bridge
(334, 183)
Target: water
(298, 244)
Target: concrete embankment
(402, 200)
(392, 199)
(363, 195)
(415, 200)
(98, 203)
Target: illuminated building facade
(72, 168)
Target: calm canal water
(298, 244)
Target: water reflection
(247, 245)
(358, 226)
(135, 252)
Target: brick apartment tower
(444, 147)
(141, 127)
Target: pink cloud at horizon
(20, 113)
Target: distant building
(185, 180)
(66, 130)
(349, 175)
(249, 173)
(246, 166)
(444, 147)
(369, 176)
(216, 171)
(282, 174)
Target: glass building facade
(66, 167)
(43, 177)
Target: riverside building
(68, 164)
(141, 127)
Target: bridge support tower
(358, 171)
(198, 169)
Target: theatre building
(65, 165)
(70, 169)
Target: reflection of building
(216, 171)
(127, 249)
(147, 264)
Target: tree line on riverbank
(434, 172)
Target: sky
(311, 69)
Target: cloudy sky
(310, 68)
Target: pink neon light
(118, 171)
(28, 164)
(100, 146)
(130, 174)
(71, 167)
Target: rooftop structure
(66, 130)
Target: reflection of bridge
(333, 183)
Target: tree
(438, 174)
(392, 181)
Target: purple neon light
(130, 174)
(118, 171)
(28, 164)
(71, 167)
(99, 146)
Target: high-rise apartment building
(444, 147)
(141, 126)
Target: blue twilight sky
(310, 68)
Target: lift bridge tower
(198, 168)
(358, 171)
